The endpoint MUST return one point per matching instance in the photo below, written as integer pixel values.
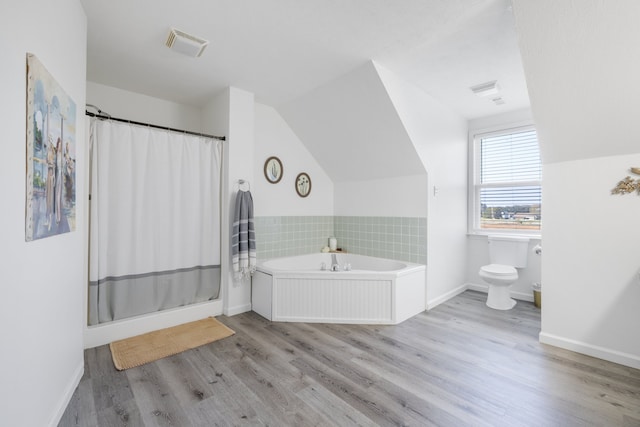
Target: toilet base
(499, 298)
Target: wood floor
(460, 364)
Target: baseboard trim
(479, 288)
(447, 296)
(238, 309)
(68, 394)
(603, 353)
(522, 296)
(98, 335)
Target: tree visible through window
(508, 175)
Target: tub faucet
(334, 263)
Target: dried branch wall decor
(628, 184)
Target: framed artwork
(273, 170)
(51, 155)
(303, 184)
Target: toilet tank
(509, 250)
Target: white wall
(516, 118)
(215, 115)
(440, 138)
(240, 151)
(124, 104)
(403, 196)
(582, 77)
(352, 129)
(274, 137)
(591, 287)
(477, 249)
(42, 281)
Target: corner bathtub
(375, 291)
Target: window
(507, 176)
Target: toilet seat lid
(499, 269)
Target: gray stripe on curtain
(154, 273)
(135, 294)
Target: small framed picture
(273, 170)
(303, 184)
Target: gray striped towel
(243, 237)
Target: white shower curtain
(155, 220)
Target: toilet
(506, 253)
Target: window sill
(485, 234)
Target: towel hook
(241, 182)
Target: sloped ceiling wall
(582, 70)
(352, 129)
(582, 64)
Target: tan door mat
(145, 348)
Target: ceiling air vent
(486, 89)
(186, 43)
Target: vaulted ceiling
(283, 49)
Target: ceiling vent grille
(186, 43)
(486, 89)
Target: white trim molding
(521, 296)
(105, 333)
(68, 394)
(614, 356)
(238, 309)
(443, 298)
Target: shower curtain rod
(108, 117)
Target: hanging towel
(243, 238)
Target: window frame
(474, 207)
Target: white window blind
(508, 179)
